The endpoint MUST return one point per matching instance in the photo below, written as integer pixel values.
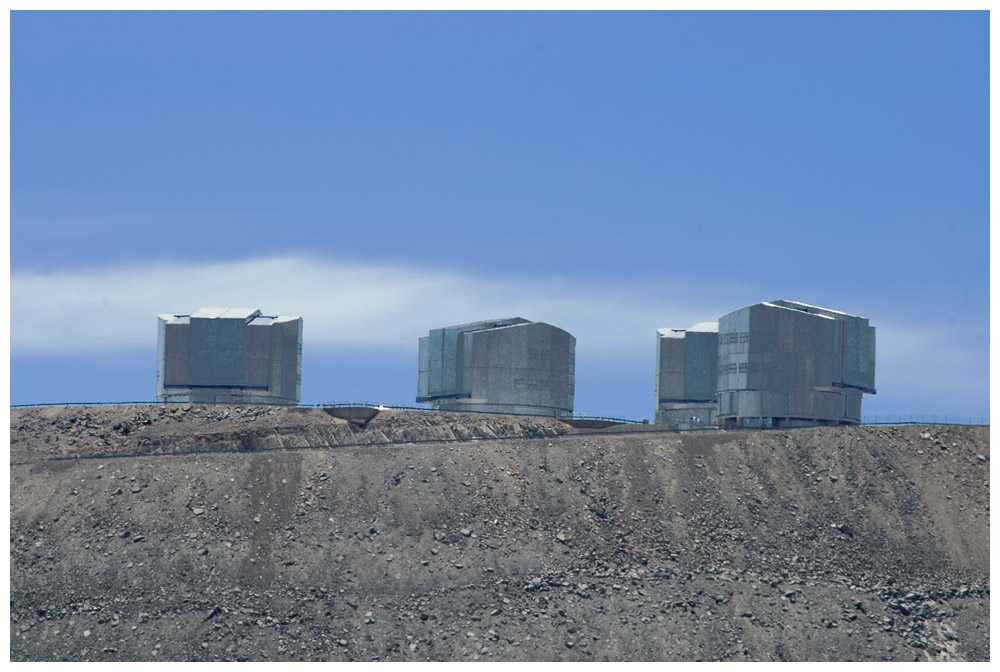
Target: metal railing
(365, 404)
(919, 419)
(606, 418)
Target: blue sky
(383, 174)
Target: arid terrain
(256, 533)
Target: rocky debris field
(255, 533)
(58, 431)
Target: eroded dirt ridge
(229, 533)
(55, 432)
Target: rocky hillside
(226, 533)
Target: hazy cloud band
(343, 304)
(371, 306)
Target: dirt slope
(146, 533)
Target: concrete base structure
(688, 417)
(509, 366)
(229, 356)
(472, 405)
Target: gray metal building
(788, 364)
(229, 355)
(686, 376)
(498, 366)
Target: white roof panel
(670, 332)
(806, 308)
(228, 313)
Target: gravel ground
(254, 533)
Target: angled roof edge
(701, 327)
(227, 313)
(813, 310)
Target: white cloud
(343, 304)
(354, 305)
